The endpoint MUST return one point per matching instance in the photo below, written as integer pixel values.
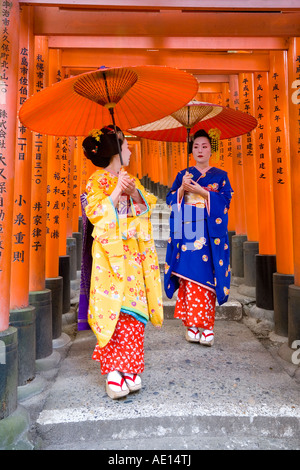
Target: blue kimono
(198, 246)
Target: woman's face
(202, 150)
(125, 153)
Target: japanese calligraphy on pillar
(38, 163)
(246, 106)
(264, 165)
(74, 183)
(4, 87)
(64, 174)
(23, 160)
(281, 161)
(39, 178)
(223, 145)
(261, 116)
(278, 123)
(54, 199)
(83, 174)
(37, 205)
(294, 134)
(71, 144)
(296, 97)
(238, 140)
(9, 24)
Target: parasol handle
(111, 110)
(188, 144)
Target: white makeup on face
(201, 151)
(125, 152)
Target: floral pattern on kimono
(198, 246)
(125, 271)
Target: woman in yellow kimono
(125, 286)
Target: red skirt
(125, 350)
(195, 305)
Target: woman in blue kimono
(197, 257)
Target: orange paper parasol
(196, 115)
(128, 96)
(132, 95)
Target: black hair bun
(102, 145)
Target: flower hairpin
(214, 134)
(96, 133)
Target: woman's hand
(124, 181)
(129, 187)
(188, 184)
(124, 184)
(185, 180)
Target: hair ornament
(96, 133)
(215, 134)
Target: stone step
(234, 395)
(230, 311)
(163, 214)
(160, 224)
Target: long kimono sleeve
(102, 213)
(108, 259)
(148, 198)
(150, 260)
(218, 206)
(217, 225)
(171, 282)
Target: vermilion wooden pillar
(64, 258)
(54, 282)
(63, 185)
(70, 172)
(75, 201)
(139, 159)
(226, 149)
(160, 169)
(22, 315)
(22, 191)
(71, 241)
(239, 191)
(165, 167)
(248, 150)
(281, 187)
(8, 113)
(9, 23)
(294, 132)
(170, 164)
(151, 159)
(224, 161)
(266, 259)
(143, 161)
(76, 184)
(53, 179)
(83, 173)
(250, 184)
(39, 296)
(39, 179)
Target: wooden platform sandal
(133, 381)
(207, 338)
(116, 385)
(192, 334)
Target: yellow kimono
(125, 271)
